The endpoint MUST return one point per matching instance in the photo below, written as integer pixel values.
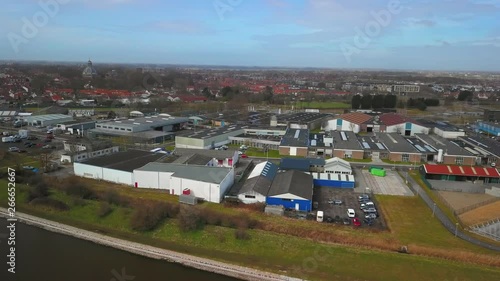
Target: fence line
(477, 205)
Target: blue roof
(269, 171)
(300, 164)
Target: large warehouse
(205, 182)
(295, 142)
(209, 138)
(292, 190)
(47, 119)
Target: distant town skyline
(452, 35)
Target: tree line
(390, 101)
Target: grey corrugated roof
(219, 154)
(192, 172)
(351, 143)
(444, 144)
(195, 159)
(295, 182)
(258, 184)
(125, 161)
(396, 143)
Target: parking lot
(349, 200)
(391, 184)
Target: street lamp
(456, 229)
(433, 209)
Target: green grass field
(410, 221)
(323, 105)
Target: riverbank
(230, 270)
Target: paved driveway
(391, 184)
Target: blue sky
(384, 34)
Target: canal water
(47, 256)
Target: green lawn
(358, 160)
(400, 162)
(256, 152)
(324, 105)
(410, 220)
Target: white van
(351, 213)
(319, 216)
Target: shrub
(104, 209)
(79, 202)
(51, 203)
(38, 190)
(113, 197)
(189, 218)
(241, 234)
(79, 190)
(147, 217)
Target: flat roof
(193, 172)
(486, 144)
(295, 138)
(345, 140)
(302, 117)
(447, 146)
(153, 121)
(126, 161)
(394, 142)
(318, 140)
(295, 182)
(213, 132)
(219, 154)
(47, 117)
(139, 135)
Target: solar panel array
(343, 135)
(421, 149)
(430, 148)
(366, 145)
(380, 146)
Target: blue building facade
(488, 127)
(296, 204)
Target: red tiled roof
(390, 119)
(356, 117)
(469, 171)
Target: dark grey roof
(126, 161)
(259, 184)
(300, 164)
(215, 132)
(396, 143)
(193, 172)
(194, 159)
(302, 117)
(295, 182)
(371, 143)
(219, 154)
(349, 143)
(295, 138)
(447, 146)
(487, 144)
(318, 140)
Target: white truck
(9, 139)
(319, 216)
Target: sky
(451, 35)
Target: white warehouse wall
(146, 179)
(117, 176)
(87, 171)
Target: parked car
(302, 216)
(370, 216)
(369, 221)
(13, 149)
(335, 202)
(28, 167)
(356, 222)
(363, 197)
(351, 213)
(244, 156)
(370, 210)
(347, 221)
(367, 205)
(47, 146)
(329, 219)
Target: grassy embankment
(323, 105)
(289, 244)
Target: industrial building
(491, 115)
(295, 142)
(349, 122)
(460, 173)
(291, 189)
(321, 145)
(447, 131)
(396, 123)
(303, 164)
(76, 127)
(209, 138)
(337, 166)
(444, 151)
(333, 180)
(302, 120)
(203, 182)
(490, 128)
(256, 187)
(155, 129)
(47, 119)
(117, 168)
(219, 158)
(346, 145)
(373, 148)
(487, 150)
(399, 148)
